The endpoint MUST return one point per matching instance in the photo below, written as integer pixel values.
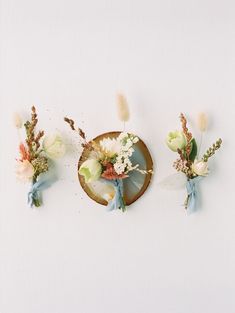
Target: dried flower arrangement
(110, 160)
(189, 163)
(36, 154)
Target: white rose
(54, 146)
(24, 170)
(200, 168)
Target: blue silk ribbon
(117, 202)
(191, 187)
(36, 188)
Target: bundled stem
(33, 151)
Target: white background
(70, 58)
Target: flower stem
(186, 202)
(200, 145)
(36, 200)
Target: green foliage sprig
(211, 151)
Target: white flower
(128, 138)
(122, 136)
(122, 148)
(54, 146)
(135, 139)
(91, 169)
(24, 170)
(17, 120)
(128, 145)
(176, 140)
(200, 168)
(119, 168)
(123, 164)
(110, 146)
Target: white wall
(70, 58)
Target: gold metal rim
(142, 146)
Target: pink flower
(111, 174)
(23, 152)
(24, 170)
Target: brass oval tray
(134, 186)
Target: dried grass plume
(17, 120)
(123, 109)
(202, 122)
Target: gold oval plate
(134, 186)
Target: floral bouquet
(110, 160)
(36, 154)
(189, 162)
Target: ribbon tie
(117, 202)
(34, 193)
(191, 187)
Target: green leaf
(193, 152)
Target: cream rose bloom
(54, 146)
(24, 171)
(110, 146)
(200, 168)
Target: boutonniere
(114, 168)
(36, 154)
(189, 162)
